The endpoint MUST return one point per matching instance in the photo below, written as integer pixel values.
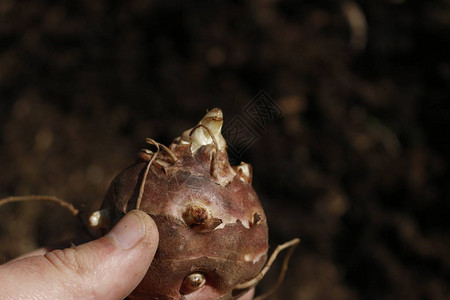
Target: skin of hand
(108, 268)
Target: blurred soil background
(357, 167)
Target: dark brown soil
(357, 166)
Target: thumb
(107, 268)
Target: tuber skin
(213, 230)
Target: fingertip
(136, 239)
(150, 227)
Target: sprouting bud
(255, 219)
(244, 172)
(207, 131)
(100, 218)
(195, 214)
(198, 217)
(192, 283)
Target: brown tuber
(204, 209)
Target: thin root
(147, 169)
(215, 162)
(252, 282)
(165, 148)
(61, 202)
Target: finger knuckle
(65, 260)
(76, 271)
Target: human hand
(108, 268)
